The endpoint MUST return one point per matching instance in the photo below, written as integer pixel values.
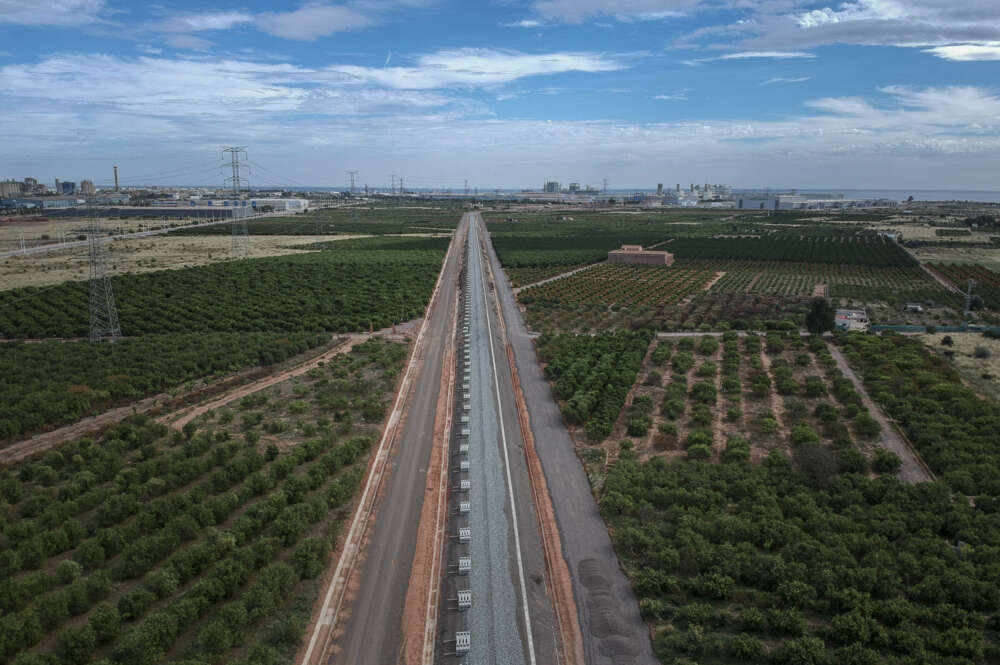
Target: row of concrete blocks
(463, 638)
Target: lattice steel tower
(103, 311)
(241, 236)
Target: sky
(505, 93)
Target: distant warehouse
(637, 255)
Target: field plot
(543, 240)
(977, 359)
(607, 292)
(987, 281)
(138, 255)
(855, 249)
(739, 478)
(202, 546)
(366, 220)
(336, 291)
(524, 276)
(738, 563)
(52, 382)
(952, 428)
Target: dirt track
(913, 469)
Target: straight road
(511, 620)
(368, 631)
(613, 631)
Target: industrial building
(807, 202)
(275, 204)
(636, 255)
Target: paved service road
(371, 634)
(613, 631)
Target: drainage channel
(483, 588)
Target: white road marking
(506, 458)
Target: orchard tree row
(51, 382)
(744, 563)
(333, 291)
(592, 375)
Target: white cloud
(524, 23)
(577, 11)
(853, 11)
(782, 79)
(932, 137)
(753, 55)
(312, 21)
(474, 67)
(967, 52)
(51, 12)
(676, 96)
(187, 42)
(784, 25)
(203, 22)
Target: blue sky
(778, 93)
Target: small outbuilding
(635, 254)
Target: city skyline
(868, 94)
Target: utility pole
(392, 187)
(352, 175)
(23, 246)
(401, 189)
(103, 310)
(605, 186)
(466, 186)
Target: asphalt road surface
(612, 629)
(371, 633)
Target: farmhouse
(851, 319)
(636, 254)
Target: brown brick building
(637, 255)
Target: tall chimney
(116, 178)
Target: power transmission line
(103, 310)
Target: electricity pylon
(103, 311)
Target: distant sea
(902, 195)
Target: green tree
(76, 645)
(821, 316)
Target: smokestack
(116, 178)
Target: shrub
(886, 461)
(803, 434)
(699, 451)
(853, 461)
(733, 413)
(737, 450)
(668, 429)
(699, 438)
(981, 352)
(704, 392)
(867, 426)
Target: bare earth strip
(939, 278)
(913, 470)
(555, 277)
(181, 418)
(174, 404)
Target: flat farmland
(140, 255)
(987, 281)
(605, 293)
(336, 291)
(205, 545)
